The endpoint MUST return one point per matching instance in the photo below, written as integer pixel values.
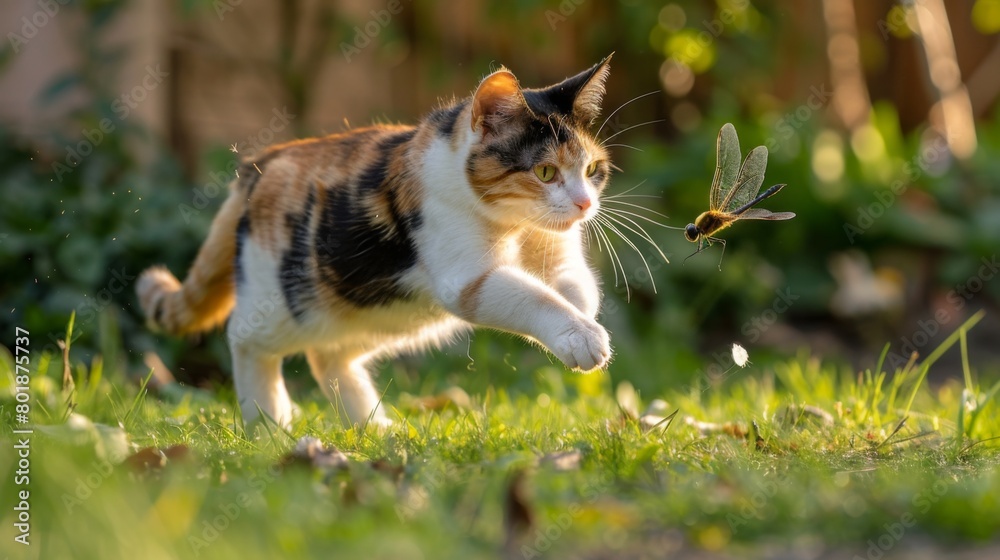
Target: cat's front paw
(583, 345)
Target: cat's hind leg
(257, 376)
(345, 380)
(260, 386)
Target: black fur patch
(294, 275)
(444, 119)
(407, 222)
(374, 175)
(242, 231)
(362, 260)
(524, 151)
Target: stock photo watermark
(544, 537)
(713, 29)
(365, 34)
(122, 107)
(753, 328)
(86, 486)
(894, 532)
(211, 529)
(91, 308)
(958, 298)
(885, 198)
(786, 127)
(31, 25)
(752, 508)
(253, 144)
(566, 9)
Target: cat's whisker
(639, 206)
(635, 228)
(624, 130)
(623, 193)
(641, 232)
(552, 127)
(614, 258)
(591, 226)
(622, 213)
(628, 241)
(620, 107)
(628, 216)
(617, 196)
(600, 235)
(623, 146)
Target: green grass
(743, 467)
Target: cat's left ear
(587, 105)
(586, 90)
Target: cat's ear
(497, 99)
(590, 95)
(578, 97)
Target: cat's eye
(546, 173)
(591, 169)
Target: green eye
(545, 172)
(591, 169)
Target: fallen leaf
(153, 458)
(394, 472)
(147, 458)
(707, 428)
(177, 452)
(310, 451)
(795, 413)
(563, 460)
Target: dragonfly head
(691, 233)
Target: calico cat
(390, 238)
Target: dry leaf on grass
(311, 452)
(708, 428)
(563, 460)
(153, 458)
(795, 413)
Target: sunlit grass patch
(790, 452)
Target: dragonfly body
(734, 193)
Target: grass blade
(938, 352)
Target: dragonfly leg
(723, 242)
(701, 247)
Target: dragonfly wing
(751, 178)
(727, 165)
(761, 214)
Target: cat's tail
(208, 294)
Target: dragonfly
(734, 193)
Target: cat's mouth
(565, 223)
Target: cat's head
(534, 159)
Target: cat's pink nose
(583, 203)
